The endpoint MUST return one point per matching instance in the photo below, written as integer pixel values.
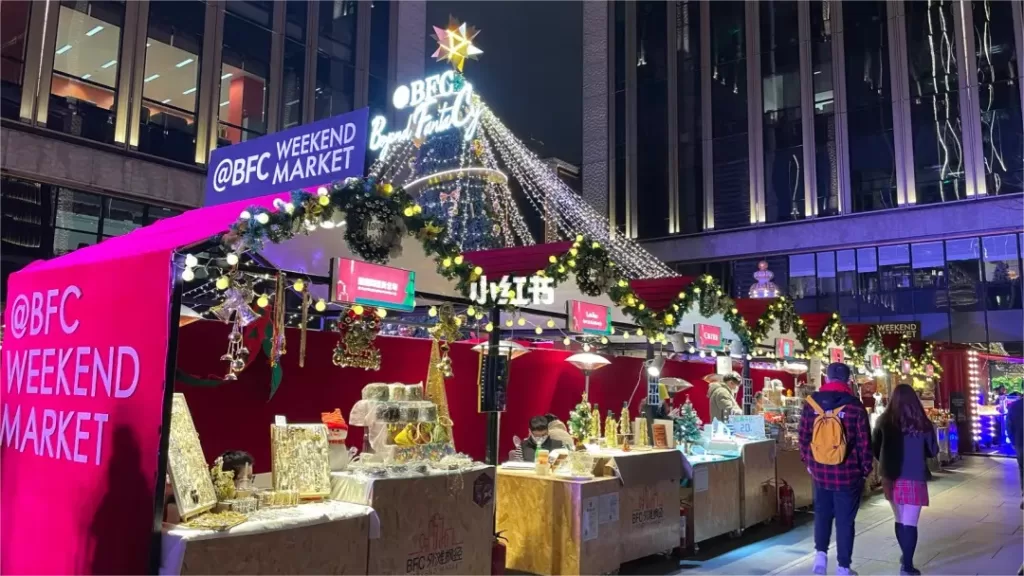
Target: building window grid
(902, 290)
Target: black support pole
(491, 375)
(171, 364)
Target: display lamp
(587, 362)
(505, 348)
(674, 385)
(655, 365)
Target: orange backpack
(828, 439)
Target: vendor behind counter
(540, 438)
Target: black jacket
(530, 447)
(903, 456)
(1015, 421)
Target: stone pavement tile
(1011, 515)
(806, 566)
(1008, 560)
(962, 557)
(875, 567)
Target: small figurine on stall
(337, 433)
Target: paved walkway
(973, 526)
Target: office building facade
(110, 109)
(877, 141)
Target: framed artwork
(186, 464)
(300, 459)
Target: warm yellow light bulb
(551, 323)
(489, 327)
(223, 283)
(521, 321)
(471, 311)
(508, 322)
(432, 312)
(357, 309)
(299, 285)
(262, 301)
(459, 259)
(321, 305)
(566, 341)
(538, 330)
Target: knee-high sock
(899, 534)
(909, 544)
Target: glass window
(338, 24)
(929, 265)
(826, 273)
(652, 109)
(1002, 272)
(85, 67)
(802, 276)
(257, 11)
(122, 217)
(295, 20)
(25, 222)
(783, 139)
(999, 96)
(14, 30)
(294, 77)
(729, 115)
(173, 48)
(872, 156)
(894, 267)
(846, 271)
(934, 102)
(825, 159)
(688, 99)
(77, 222)
(245, 70)
(963, 259)
(335, 86)
(155, 213)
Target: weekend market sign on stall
(84, 385)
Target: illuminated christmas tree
(687, 426)
(456, 159)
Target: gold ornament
(355, 346)
(223, 481)
(445, 332)
(455, 43)
(595, 423)
(641, 433)
(611, 439)
(435, 392)
(624, 428)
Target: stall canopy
(85, 367)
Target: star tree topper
(455, 43)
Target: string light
(299, 285)
(320, 305)
(262, 301)
(232, 259)
(188, 275)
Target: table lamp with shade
(587, 362)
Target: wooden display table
(715, 484)
(559, 526)
(428, 523)
(591, 526)
(789, 468)
(321, 538)
(757, 482)
(649, 500)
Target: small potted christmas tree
(687, 426)
(580, 426)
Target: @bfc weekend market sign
(302, 157)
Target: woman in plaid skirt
(902, 441)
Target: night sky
(530, 73)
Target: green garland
(365, 200)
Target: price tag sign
(747, 426)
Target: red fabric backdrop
(237, 415)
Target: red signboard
(707, 336)
(587, 318)
(785, 348)
(84, 377)
(929, 370)
(358, 282)
(905, 365)
(836, 355)
(876, 361)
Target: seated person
(557, 430)
(539, 439)
(240, 462)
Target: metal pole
(652, 392)
(171, 365)
(491, 375)
(748, 388)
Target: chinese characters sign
(587, 318)
(513, 290)
(358, 282)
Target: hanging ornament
(277, 338)
(236, 304)
(355, 346)
(478, 147)
(445, 332)
(307, 299)
(237, 353)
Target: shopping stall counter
(649, 501)
(318, 538)
(559, 525)
(758, 495)
(435, 522)
(790, 469)
(713, 494)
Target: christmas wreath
(374, 229)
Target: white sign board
(747, 426)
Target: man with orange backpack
(835, 445)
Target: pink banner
(836, 355)
(587, 318)
(876, 361)
(707, 336)
(84, 359)
(358, 282)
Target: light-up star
(455, 43)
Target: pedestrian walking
(1015, 422)
(903, 441)
(835, 445)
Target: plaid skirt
(912, 492)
